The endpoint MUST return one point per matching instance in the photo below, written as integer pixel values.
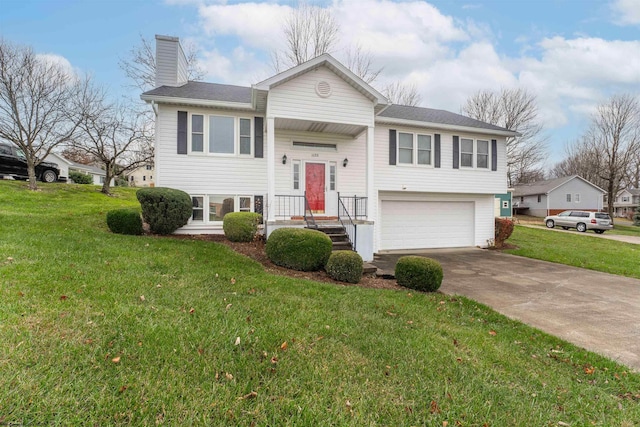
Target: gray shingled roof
(420, 114)
(205, 91)
(541, 187)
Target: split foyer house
(626, 202)
(316, 143)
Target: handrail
(288, 206)
(308, 208)
(350, 227)
(355, 206)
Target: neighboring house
(553, 196)
(142, 176)
(503, 205)
(316, 139)
(626, 202)
(98, 175)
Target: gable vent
(323, 89)
(315, 145)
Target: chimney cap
(167, 38)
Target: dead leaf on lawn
(493, 333)
(274, 360)
(228, 376)
(116, 359)
(20, 294)
(251, 395)
(284, 346)
(233, 281)
(228, 307)
(445, 423)
(63, 297)
(433, 408)
(142, 298)
(192, 310)
(391, 314)
(589, 370)
(122, 389)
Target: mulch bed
(255, 250)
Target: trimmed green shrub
(419, 273)
(80, 178)
(504, 228)
(636, 216)
(164, 209)
(345, 266)
(125, 221)
(241, 226)
(299, 248)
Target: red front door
(314, 186)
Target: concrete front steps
(340, 241)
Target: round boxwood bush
(241, 226)
(299, 248)
(125, 221)
(164, 209)
(80, 178)
(345, 266)
(419, 273)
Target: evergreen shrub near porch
(419, 273)
(164, 209)
(345, 266)
(241, 226)
(299, 248)
(125, 221)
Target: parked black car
(13, 163)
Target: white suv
(582, 221)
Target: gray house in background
(553, 196)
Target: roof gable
(549, 185)
(331, 63)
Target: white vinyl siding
(298, 99)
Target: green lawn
(590, 252)
(104, 329)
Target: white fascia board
(443, 126)
(197, 102)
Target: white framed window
(332, 176)
(505, 204)
(576, 198)
(220, 205)
(569, 197)
(244, 204)
(482, 156)
(466, 152)
(197, 213)
(405, 148)
(415, 149)
(296, 174)
(625, 199)
(220, 135)
(245, 136)
(148, 167)
(197, 133)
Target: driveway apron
(597, 311)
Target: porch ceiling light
(284, 159)
(345, 162)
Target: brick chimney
(171, 62)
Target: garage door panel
(417, 225)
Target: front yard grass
(105, 329)
(594, 253)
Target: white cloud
(60, 61)
(627, 12)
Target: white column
(371, 196)
(271, 168)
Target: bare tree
(397, 93)
(117, 137)
(614, 137)
(580, 159)
(309, 32)
(140, 66)
(41, 105)
(77, 155)
(360, 62)
(516, 110)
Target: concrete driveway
(597, 311)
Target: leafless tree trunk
(140, 66)
(580, 159)
(400, 94)
(614, 136)
(360, 62)
(118, 137)
(41, 106)
(309, 32)
(517, 110)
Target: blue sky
(571, 54)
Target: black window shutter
(494, 155)
(436, 150)
(258, 204)
(258, 137)
(392, 146)
(182, 132)
(456, 152)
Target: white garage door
(418, 225)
